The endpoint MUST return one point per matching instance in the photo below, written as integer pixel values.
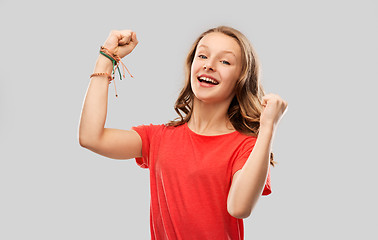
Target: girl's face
(217, 58)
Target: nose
(208, 66)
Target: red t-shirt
(190, 177)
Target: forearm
(93, 115)
(250, 183)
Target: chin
(205, 99)
(203, 95)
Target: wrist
(266, 129)
(103, 64)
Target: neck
(210, 118)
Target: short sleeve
(242, 158)
(267, 189)
(145, 133)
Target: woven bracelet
(115, 61)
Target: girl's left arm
(248, 183)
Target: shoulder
(245, 142)
(245, 138)
(150, 126)
(155, 128)
(148, 129)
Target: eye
(225, 62)
(202, 56)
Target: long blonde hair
(245, 108)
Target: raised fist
(121, 42)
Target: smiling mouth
(208, 80)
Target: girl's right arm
(109, 142)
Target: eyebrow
(224, 51)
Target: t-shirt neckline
(196, 134)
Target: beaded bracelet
(110, 78)
(103, 74)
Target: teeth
(208, 80)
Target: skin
(93, 115)
(209, 112)
(248, 183)
(221, 55)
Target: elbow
(239, 213)
(83, 142)
(81, 138)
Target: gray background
(320, 56)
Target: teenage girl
(209, 166)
